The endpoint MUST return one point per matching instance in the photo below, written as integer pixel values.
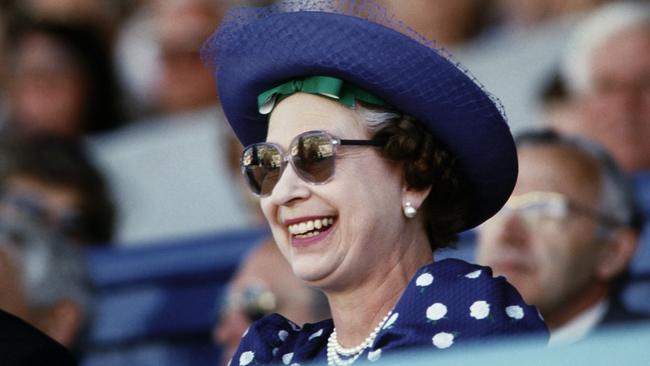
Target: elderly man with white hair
(606, 68)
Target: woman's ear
(617, 253)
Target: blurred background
(119, 174)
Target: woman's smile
(306, 231)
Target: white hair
(593, 32)
(375, 118)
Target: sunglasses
(312, 155)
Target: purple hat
(256, 49)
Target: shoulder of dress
(450, 271)
(460, 301)
(274, 338)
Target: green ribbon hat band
(325, 86)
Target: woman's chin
(311, 269)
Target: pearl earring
(409, 210)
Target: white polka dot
(275, 351)
(436, 311)
(294, 326)
(475, 274)
(374, 355)
(424, 280)
(295, 364)
(316, 334)
(286, 358)
(479, 310)
(246, 358)
(515, 312)
(229, 362)
(443, 340)
(283, 334)
(391, 321)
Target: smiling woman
(369, 148)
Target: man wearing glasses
(566, 236)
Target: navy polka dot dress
(445, 305)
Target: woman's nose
(289, 188)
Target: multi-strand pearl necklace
(338, 355)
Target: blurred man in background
(606, 68)
(566, 236)
(264, 284)
(53, 202)
(52, 181)
(42, 278)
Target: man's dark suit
(23, 345)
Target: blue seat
(641, 264)
(636, 294)
(155, 304)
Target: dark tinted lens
(261, 165)
(313, 156)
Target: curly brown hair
(426, 163)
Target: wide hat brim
(412, 77)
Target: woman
(369, 150)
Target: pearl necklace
(338, 355)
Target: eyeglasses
(254, 301)
(66, 221)
(312, 155)
(537, 207)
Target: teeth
(308, 235)
(306, 228)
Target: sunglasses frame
(518, 202)
(287, 158)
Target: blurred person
(101, 13)
(61, 81)
(43, 278)
(520, 48)
(157, 55)
(182, 27)
(53, 181)
(450, 23)
(566, 236)
(264, 284)
(606, 67)
(529, 13)
(161, 168)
